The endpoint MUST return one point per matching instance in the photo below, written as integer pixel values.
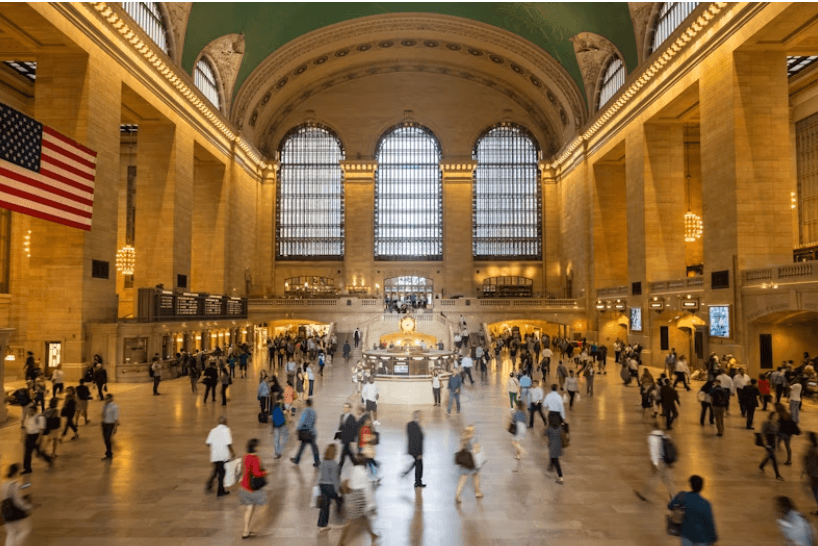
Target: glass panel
(671, 15)
(507, 196)
(206, 82)
(806, 145)
(798, 64)
(149, 19)
(310, 196)
(408, 196)
(613, 79)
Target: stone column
(359, 223)
(458, 206)
(209, 223)
(264, 282)
(551, 281)
(164, 209)
(610, 226)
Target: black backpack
(718, 396)
(669, 453)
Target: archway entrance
(408, 292)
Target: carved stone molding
(592, 52)
(641, 16)
(461, 41)
(461, 170)
(226, 54)
(359, 170)
(178, 14)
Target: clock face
(407, 324)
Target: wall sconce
(126, 260)
(793, 200)
(27, 244)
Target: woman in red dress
(251, 493)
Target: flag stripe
(47, 143)
(67, 168)
(80, 191)
(56, 176)
(12, 205)
(15, 190)
(50, 157)
(91, 153)
(36, 182)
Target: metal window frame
(27, 69)
(392, 205)
(612, 80)
(148, 16)
(798, 63)
(289, 222)
(671, 15)
(204, 76)
(806, 152)
(499, 204)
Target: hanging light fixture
(126, 260)
(693, 222)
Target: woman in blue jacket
(698, 526)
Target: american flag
(43, 173)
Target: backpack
(278, 417)
(718, 396)
(52, 419)
(150, 370)
(669, 453)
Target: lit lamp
(126, 260)
(693, 222)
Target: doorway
(53, 354)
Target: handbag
(465, 459)
(512, 427)
(257, 482)
(12, 512)
(232, 472)
(675, 520)
(760, 440)
(305, 435)
(566, 441)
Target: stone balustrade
(376, 305)
(686, 284)
(782, 274)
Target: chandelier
(693, 222)
(126, 260)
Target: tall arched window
(408, 196)
(148, 16)
(612, 80)
(205, 80)
(671, 15)
(310, 196)
(507, 196)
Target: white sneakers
(377, 423)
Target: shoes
(292, 460)
(457, 500)
(327, 528)
(719, 434)
(751, 428)
(107, 458)
(316, 465)
(788, 463)
(478, 495)
(278, 456)
(560, 481)
(26, 472)
(377, 423)
(222, 493)
(420, 485)
(779, 478)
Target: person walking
(794, 526)
(513, 387)
(370, 395)
(57, 381)
(357, 337)
(414, 435)
(764, 390)
(706, 401)
(751, 395)
(281, 433)
(811, 466)
(110, 422)
(554, 405)
(310, 378)
(347, 433)
(660, 465)
(69, 409)
(329, 482)
(244, 359)
(470, 452)
(359, 503)
(719, 397)
(562, 374)
(156, 373)
(16, 508)
(588, 373)
(455, 382)
(572, 388)
(518, 420)
(225, 381)
(787, 428)
(436, 387)
(100, 379)
(525, 387)
(35, 425)
(211, 379)
(466, 363)
(536, 397)
(698, 525)
(682, 371)
(194, 374)
(263, 393)
(53, 422)
(769, 435)
(220, 440)
(795, 401)
(251, 493)
(555, 444)
(670, 398)
(307, 433)
(545, 363)
(83, 396)
(778, 381)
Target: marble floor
(153, 491)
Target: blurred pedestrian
(16, 512)
(253, 480)
(698, 525)
(470, 450)
(329, 482)
(794, 526)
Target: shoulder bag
(256, 482)
(465, 459)
(10, 511)
(305, 435)
(512, 427)
(675, 519)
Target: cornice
(634, 90)
(359, 170)
(180, 92)
(459, 169)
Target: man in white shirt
(740, 381)
(536, 396)
(34, 424)
(660, 469)
(553, 404)
(466, 362)
(370, 396)
(220, 441)
(795, 400)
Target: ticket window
(53, 354)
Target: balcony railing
(376, 305)
(677, 285)
(782, 274)
(612, 291)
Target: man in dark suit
(415, 449)
(348, 430)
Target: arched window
(310, 196)
(612, 79)
(507, 196)
(671, 15)
(205, 80)
(148, 16)
(408, 196)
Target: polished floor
(153, 491)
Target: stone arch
(225, 55)
(593, 53)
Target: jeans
(107, 434)
(346, 451)
(555, 462)
(571, 398)
(770, 456)
(590, 381)
(280, 437)
(705, 407)
(417, 464)
(56, 388)
(535, 408)
(512, 397)
(312, 382)
(218, 473)
(209, 389)
(224, 393)
(467, 371)
(69, 423)
(314, 446)
(328, 493)
(436, 394)
(453, 395)
(156, 380)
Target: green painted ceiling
(268, 26)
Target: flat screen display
(719, 321)
(401, 369)
(636, 319)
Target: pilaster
(209, 224)
(264, 280)
(359, 212)
(550, 231)
(458, 252)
